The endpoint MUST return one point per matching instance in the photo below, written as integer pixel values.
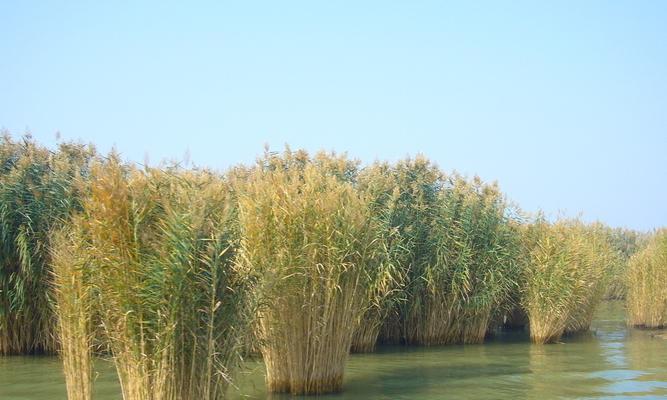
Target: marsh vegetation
(647, 284)
(175, 274)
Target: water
(611, 362)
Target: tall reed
(74, 307)
(379, 186)
(625, 242)
(566, 272)
(604, 259)
(470, 268)
(647, 284)
(307, 233)
(456, 257)
(409, 191)
(37, 192)
(157, 251)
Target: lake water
(611, 362)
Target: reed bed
(647, 284)
(567, 268)
(176, 273)
(306, 231)
(152, 255)
(38, 191)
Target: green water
(612, 362)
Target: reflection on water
(612, 362)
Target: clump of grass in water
(603, 258)
(626, 242)
(37, 191)
(74, 308)
(567, 267)
(456, 259)
(409, 191)
(647, 284)
(156, 250)
(379, 186)
(308, 233)
(470, 270)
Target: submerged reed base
(331, 383)
(321, 373)
(366, 335)
(305, 341)
(445, 324)
(546, 329)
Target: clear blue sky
(564, 104)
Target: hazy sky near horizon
(564, 104)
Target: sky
(563, 103)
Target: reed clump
(647, 284)
(38, 190)
(454, 251)
(152, 257)
(470, 269)
(378, 183)
(74, 308)
(408, 192)
(626, 242)
(306, 232)
(567, 268)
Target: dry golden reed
(74, 309)
(156, 249)
(647, 284)
(566, 272)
